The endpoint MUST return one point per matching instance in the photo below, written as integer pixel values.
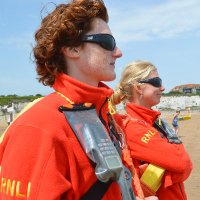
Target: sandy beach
(189, 134)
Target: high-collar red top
(147, 146)
(40, 156)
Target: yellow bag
(152, 177)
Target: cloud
(169, 19)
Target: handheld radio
(98, 146)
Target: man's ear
(71, 52)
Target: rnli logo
(14, 188)
(147, 136)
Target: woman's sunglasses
(156, 82)
(106, 41)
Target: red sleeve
(35, 166)
(147, 145)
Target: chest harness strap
(162, 126)
(98, 146)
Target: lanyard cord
(62, 95)
(110, 106)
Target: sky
(164, 32)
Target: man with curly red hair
(40, 156)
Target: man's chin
(110, 78)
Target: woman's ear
(138, 88)
(71, 52)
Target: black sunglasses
(106, 41)
(156, 82)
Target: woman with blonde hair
(159, 157)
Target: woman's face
(150, 95)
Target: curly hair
(64, 26)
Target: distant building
(179, 102)
(187, 89)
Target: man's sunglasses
(106, 41)
(156, 82)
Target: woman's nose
(162, 88)
(117, 52)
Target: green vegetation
(173, 94)
(180, 94)
(5, 100)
